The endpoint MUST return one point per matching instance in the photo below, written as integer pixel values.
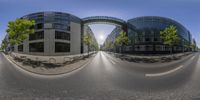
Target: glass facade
(36, 47)
(58, 20)
(54, 32)
(62, 47)
(62, 35)
(36, 36)
(39, 26)
(144, 33)
(111, 38)
(88, 30)
(20, 48)
(57, 27)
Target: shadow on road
(142, 59)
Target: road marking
(112, 62)
(107, 55)
(167, 72)
(163, 73)
(192, 58)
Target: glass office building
(144, 35)
(111, 38)
(88, 30)
(56, 33)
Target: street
(106, 78)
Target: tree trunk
(121, 51)
(171, 50)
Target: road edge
(42, 74)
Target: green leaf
(19, 30)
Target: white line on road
(112, 62)
(163, 73)
(192, 58)
(167, 72)
(110, 58)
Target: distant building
(9, 47)
(87, 30)
(111, 38)
(194, 43)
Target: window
(159, 48)
(39, 26)
(36, 35)
(139, 39)
(58, 26)
(20, 48)
(61, 26)
(156, 39)
(68, 28)
(36, 47)
(49, 17)
(149, 47)
(62, 35)
(39, 20)
(147, 39)
(140, 48)
(62, 47)
(40, 15)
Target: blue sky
(184, 11)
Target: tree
(193, 46)
(19, 30)
(95, 46)
(121, 40)
(87, 39)
(109, 46)
(170, 36)
(4, 44)
(188, 46)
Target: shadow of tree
(149, 60)
(47, 65)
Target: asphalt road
(106, 78)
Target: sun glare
(101, 37)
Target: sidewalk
(150, 59)
(51, 59)
(60, 69)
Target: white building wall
(75, 43)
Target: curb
(157, 65)
(19, 66)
